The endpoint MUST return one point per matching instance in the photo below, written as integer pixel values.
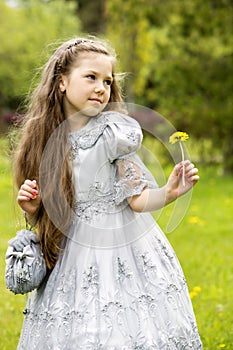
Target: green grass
(11, 306)
(202, 241)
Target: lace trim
(87, 138)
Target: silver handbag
(25, 263)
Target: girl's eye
(108, 82)
(91, 76)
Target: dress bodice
(106, 167)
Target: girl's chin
(88, 112)
(92, 111)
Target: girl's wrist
(169, 195)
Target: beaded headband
(78, 42)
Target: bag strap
(28, 225)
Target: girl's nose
(99, 87)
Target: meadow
(203, 242)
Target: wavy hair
(41, 122)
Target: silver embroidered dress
(118, 284)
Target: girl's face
(87, 88)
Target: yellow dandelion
(196, 220)
(195, 291)
(192, 294)
(193, 219)
(180, 136)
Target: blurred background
(178, 56)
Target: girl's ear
(62, 84)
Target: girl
(113, 280)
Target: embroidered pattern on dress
(99, 201)
(144, 261)
(123, 269)
(93, 320)
(90, 281)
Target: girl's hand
(28, 197)
(174, 187)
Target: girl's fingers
(23, 198)
(192, 172)
(28, 190)
(189, 167)
(194, 178)
(26, 194)
(32, 194)
(28, 184)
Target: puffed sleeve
(123, 137)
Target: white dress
(118, 284)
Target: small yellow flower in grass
(194, 292)
(180, 136)
(193, 219)
(221, 346)
(196, 220)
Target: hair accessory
(78, 42)
(71, 45)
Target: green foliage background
(26, 33)
(178, 55)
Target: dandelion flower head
(178, 136)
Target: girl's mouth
(96, 100)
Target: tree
(25, 32)
(92, 15)
(180, 56)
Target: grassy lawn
(202, 241)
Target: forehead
(94, 61)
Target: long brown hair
(44, 116)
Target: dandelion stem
(183, 168)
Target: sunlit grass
(203, 243)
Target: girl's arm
(154, 199)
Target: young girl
(113, 280)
